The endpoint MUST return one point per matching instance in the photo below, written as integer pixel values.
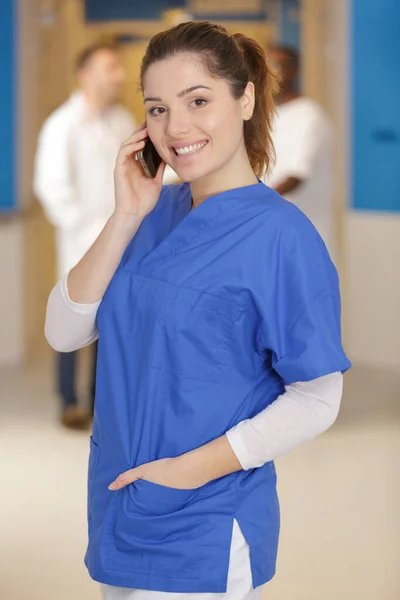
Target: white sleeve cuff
(69, 325)
(300, 414)
(239, 447)
(75, 306)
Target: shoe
(75, 418)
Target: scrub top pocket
(159, 498)
(193, 336)
(154, 535)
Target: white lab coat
(303, 140)
(73, 178)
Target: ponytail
(258, 130)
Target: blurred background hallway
(340, 495)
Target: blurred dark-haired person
(73, 180)
(303, 139)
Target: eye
(156, 111)
(198, 102)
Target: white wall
(373, 288)
(11, 297)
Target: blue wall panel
(375, 104)
(111, 10)
(8, 106)
(289, 31)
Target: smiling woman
(226, 104)
(219, 334)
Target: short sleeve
(301, 320)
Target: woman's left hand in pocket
(188, 471)
(168, 472)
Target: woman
(218, 315)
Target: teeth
(190, 149)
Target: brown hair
(235, 58)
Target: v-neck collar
(247, 190)
(192, 223)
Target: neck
(237, 173)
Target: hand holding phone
(149, 159)
(136, 193)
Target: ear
(247, 101)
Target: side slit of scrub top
(209, 315)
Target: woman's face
(193, 120)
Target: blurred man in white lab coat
(74, 166)
(303, 143)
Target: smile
(190, 149)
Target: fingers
(133, 144)
(137, 135)
(127, 149)
(124, 479)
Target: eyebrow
(181, 94)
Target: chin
(192, 174)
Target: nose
(177, 124)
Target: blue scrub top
(209, 314)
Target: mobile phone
(149, 159)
